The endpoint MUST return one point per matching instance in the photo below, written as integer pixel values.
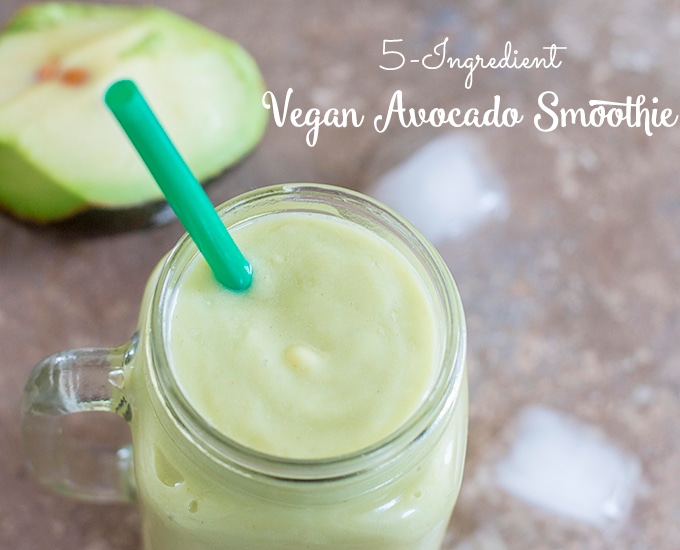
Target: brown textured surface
(573, 301)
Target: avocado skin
(29, 194)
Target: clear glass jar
(198, 489)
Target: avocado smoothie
(323, 408)
(317, 379)
(331, 349)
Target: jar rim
(441, 398)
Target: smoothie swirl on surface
(331, 350)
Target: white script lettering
(313, 118)
(455, 117)
(631, 113)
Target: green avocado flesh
(61, 150)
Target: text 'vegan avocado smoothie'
(325, 407)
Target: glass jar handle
(68, 391)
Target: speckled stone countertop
(565, 244)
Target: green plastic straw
(181, 189)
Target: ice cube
(446, 188)
(566, 467)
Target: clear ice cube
(567, 467)
(446, 188)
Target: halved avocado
(61, 150)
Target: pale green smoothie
(331, 350)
